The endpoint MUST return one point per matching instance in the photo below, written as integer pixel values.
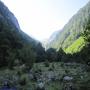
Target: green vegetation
(26, 65)
(72, 30)
(23, 81)
(76, 46)
(15, 45)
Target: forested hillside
(15, 45)
(72, 30)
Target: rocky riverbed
(55, 76)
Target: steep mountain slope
(48, 41)
(8, 16)
(14, 43)
(72, 30)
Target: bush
(46, 63)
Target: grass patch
(76, 46)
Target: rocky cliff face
(7, 16)
(9, 21)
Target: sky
(40, 18)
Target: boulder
(68, 78)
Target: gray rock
(68, 78)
